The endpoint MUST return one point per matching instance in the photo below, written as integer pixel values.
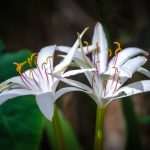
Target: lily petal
(134, 88)
(75, 83)
(45, 102)
(15, 79)
(82, 65)
(128, 68)
(133, 64)
(67, 60)
(100, 38)
(66, 49)
(6, 95)
(144, 71)
(62, 91)
(125, 55)
(78, 71)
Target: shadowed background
(33, 24)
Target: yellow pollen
(29, 62)
(43, 64)
(110, 52)
(33, 55)
(82, 51)
(30, 59)
(86, 43)
(118, 47)
(48, 58)
(97, 48)
(19, 66)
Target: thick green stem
(58, 129)
(99, 128)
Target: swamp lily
(39, 81)
(106, 83)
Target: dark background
(34, 24)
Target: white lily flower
(106, 84)
(39, 81)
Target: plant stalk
(58, 129)
(99, 136)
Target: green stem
(58, 129)
(99, 128)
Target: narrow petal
(15, 79)
(78, 71)
(134, 88)
(44, 54)
(100, 38)
(62, 91)
(144, 71)
(67, 60)
(66, 49)
(125, 55)
(128, 68)
(82, 65)
(45, 102)
(133, 64)
(9, 94)
(75, 83)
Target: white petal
(45, 102)
(66, 49)
(128, 68)
(125, 55)
(75, 83)
(100, 38)
(16, 79)
(44, 54)
(4, 96)
(67, 60)
(122, 73)
(134, 88)
(133, 64)
(144, 71)
(62, 91)
(78, 71)
(82, 65)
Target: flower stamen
(88, 53)
(82, 51)
(118, 47)
(43, 67)
(19, 69)
(109, 52)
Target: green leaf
(21, 122)
(144, 120)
